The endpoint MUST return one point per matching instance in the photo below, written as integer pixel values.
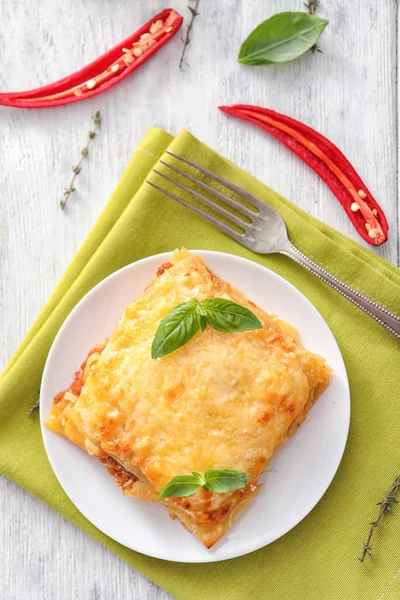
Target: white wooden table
(349, 93)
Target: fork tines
(247, 215)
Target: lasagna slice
(222, 401)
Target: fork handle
(384, 317)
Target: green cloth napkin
(317, 560)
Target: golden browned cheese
(222, 401)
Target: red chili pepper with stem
(328, 162)
(105, 72)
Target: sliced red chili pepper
(328, 162)
(106, 71)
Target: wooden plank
(348, 93)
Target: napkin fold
(317, 560)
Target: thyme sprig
(33, 408)
(312, 6)
(386, 507)
(84, 152)
(187, 38)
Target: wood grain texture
(349, 93)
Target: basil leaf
(181, 485)
(281, 38)
(225, 315)
(176, 329)
(224, 480)
(203, 316)
(203, 322)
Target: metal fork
(264, 232)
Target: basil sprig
(281, 38)
(215, 480)
(183, 322)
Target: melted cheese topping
(220, 401)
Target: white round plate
(300, 472)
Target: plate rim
(208, 558)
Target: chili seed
(374, 211)
(137, 51)
(372, 233)
(115, 68)
(128, 59)
(368, 227)
(156, 26)
(144, 36)
(168, 29)
(91, 84)
(354, 207)
(362, 194)
(125, 50)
